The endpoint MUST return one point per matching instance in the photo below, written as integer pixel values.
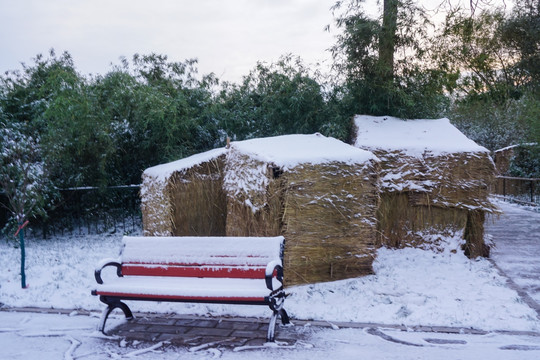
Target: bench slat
(193, 271)
(204, 299)
(214, 261)
(144, 286)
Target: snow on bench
(225, 270)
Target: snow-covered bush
(22, 176)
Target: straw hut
(185, 197)
(319, 192)
(434, 180)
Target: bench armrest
(273, 266)
(104, 263)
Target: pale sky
(227, 36)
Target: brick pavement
(192, 331)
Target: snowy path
(516, 234)
(33, 336)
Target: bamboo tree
(387, 40)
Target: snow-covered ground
(411, 287)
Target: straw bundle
(326, 211)
(433, 180)
(402, 223)
(463, 180)
(156, 207)
(503, 158)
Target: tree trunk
(387, 40)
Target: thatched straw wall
(198, 200)
(326, 211)
(508, 156)
(185, 198)
(156, 206)
(402, 222)
(254, 197)
(458, 180)
(434, 194)
(329, 221)
(503, 158)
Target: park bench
(223, 270)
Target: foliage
(481, 70)
(152, 117)
(23, 177)
(521, 32)
(530, 112)
(275, 99)
(376, 83)
(496, 96)
(25, 95)
(106, 130)
(491, 124)
(526, 162)
(472, 47)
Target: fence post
(532, 191)
(20, 232)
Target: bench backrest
(229, 257)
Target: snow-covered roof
(163, 171)
(285, 151)
(414, 137)
(288, 151)
(515, 146)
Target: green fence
(88, 210)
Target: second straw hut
(434, 181)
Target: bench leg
(284, 317)
(272, 325)
(111, 305)
(276, 306)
